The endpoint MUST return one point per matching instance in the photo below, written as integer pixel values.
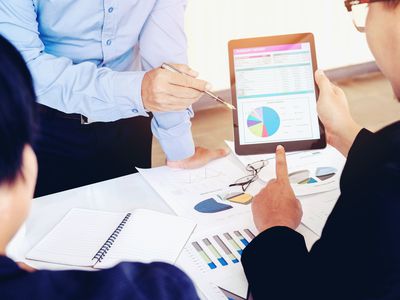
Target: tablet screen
(275, 94)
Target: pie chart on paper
(263, 122)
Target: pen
(212, 95)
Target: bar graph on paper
(220, 250)
(218, 256)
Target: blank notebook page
(77, 238)
(149, 236)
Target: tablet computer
(274, 91)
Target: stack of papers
(315, 178)
(198, 195)
(310, 172)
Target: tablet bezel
(272, 41)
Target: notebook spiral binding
(110, 241)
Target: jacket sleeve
(361, 154)
(124, 281)
(357, 254)
(277, 263)
(274, 263)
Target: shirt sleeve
(96, 92)
(163, 40)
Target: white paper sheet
(183, 190)
(308, 161)
(317, 208)
(206, 289)
(221, 266)
(317, 199)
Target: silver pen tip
(230, 106)
(227, 104)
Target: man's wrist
(276, 223)
(345, 139)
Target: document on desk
(216, 255)
(310, 172)
(317, 208)
(99, 239)
(199, 194)
(317, 198)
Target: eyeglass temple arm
(349, 3)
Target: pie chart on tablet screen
(263, 122)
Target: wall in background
(210, 24)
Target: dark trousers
(71, 154)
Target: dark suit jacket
(125, 281)
(358, 255)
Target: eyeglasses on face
(359, 10)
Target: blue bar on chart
(226, 249)
(204, 255)
(214, 251)
(241, 238)
(250, 234)
(233, 243)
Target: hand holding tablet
(273, 89)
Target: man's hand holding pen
(163, 90)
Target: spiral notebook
(99, 239)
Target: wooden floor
(371, 102)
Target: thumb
(322, 81)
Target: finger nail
(320, 72)
(279, 148)
(208, 86)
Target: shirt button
(108, 42)
(111, 9)
(135, 110)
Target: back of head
(17, 110)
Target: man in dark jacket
(358, 255)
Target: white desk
(121, 194)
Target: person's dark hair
(17, 110)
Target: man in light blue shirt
(96, 72)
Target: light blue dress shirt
(90, 56)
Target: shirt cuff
(128, 92)
(173, 131)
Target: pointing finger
(281, 165)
